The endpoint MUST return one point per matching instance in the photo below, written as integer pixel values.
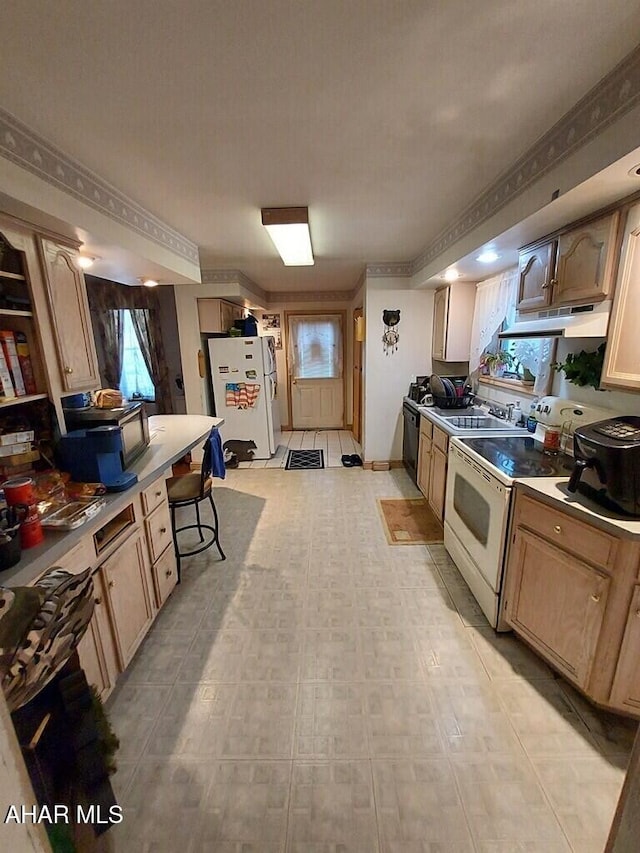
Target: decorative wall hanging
(391, 336)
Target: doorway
(315, 367)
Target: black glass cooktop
(520, 456)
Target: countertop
(172, 436)
(437, 416)
(555, 488)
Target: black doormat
(302, 460)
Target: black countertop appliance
(607, 463)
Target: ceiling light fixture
(288, 228)
(451, 275)
(488, 256)
(148, 282)
(86, 261)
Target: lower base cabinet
(97, 650)
(438, 482)
(432, 465)
(625, 692)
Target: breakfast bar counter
(171, 437)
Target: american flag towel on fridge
(241, 395)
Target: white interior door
(316, 371)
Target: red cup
(19, 491)
(31, 532)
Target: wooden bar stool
(190, 490)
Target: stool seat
(190, 490)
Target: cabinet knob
(557, 528)
(595, 596)
(168, 573)
(112, 584)
(68, 370)
(637, 612)
(98, 601)
(158, 494)
(163, 530)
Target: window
(316, 347)
(135, 379)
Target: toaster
(607, 463)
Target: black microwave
(131, 417)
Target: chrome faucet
(510, 407)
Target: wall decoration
(271, 326)
(391, 336)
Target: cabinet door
(586, 262)
(227, 315)
(440, 314)
(625, 691)
(622, 359)
(557, 603)
(424, 464)
(536, 272)
(437, 482)
(73, 335)
(96, 650)
(125, 573)
(165, 575)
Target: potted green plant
(494, 363)
(583, 368)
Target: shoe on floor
(347, 461)
(355, 459)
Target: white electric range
(480, 479)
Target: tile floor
(324, 692)
(334, 442)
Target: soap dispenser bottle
(517, 416)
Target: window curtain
(495, 301)
(315, 346)
(105, 298)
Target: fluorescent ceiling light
(288, 228)
(451, 275)
(488, 256)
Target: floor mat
(409, 521)
(302, 460)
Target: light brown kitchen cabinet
(585, 264)
(424, 456)
(218, 315)
(556, 602)
(572, 592)
(536, 269)
(452, 317)
(625, 692)
(437, 482)
(622, 358)
(70, 319)
(157, 522)
(125, 574)
(96, 650)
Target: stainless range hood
(577, 321)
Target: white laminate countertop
(435, 415)
(556, 489)
(172, 436)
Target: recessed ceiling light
(488, 256)
(635, 172)
(148, 282)
(86, 261)
(451, 275)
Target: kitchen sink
(483, 421)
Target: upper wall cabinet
(586, 262)
(576, 268)
(452, 316)
(70, 319)
(218, 315)
(536, 267)
(622, 359)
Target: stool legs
(217, 526)
(199, 526)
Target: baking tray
(71, 514)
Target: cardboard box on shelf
(16, 437)
(15, 449)
(11, 357)
(7, 391)
(24, 357)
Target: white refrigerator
(243, 378)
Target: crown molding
(602, 106)
(399, 269)
(26, 149)
(235, 277)
(279, 297)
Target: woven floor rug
(409, 521)
(303, 460)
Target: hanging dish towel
(218, 468)
(241, 395)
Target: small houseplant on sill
(494, 363)
(583, 368)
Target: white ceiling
(385, 117)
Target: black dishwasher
(411, 437)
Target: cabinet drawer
(440, 439)
(158, 526)
(153, 495)
(165, 575)
(581, 539)
(426, 427)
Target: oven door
(476, 510)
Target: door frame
(356, 386)
(338, 312)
